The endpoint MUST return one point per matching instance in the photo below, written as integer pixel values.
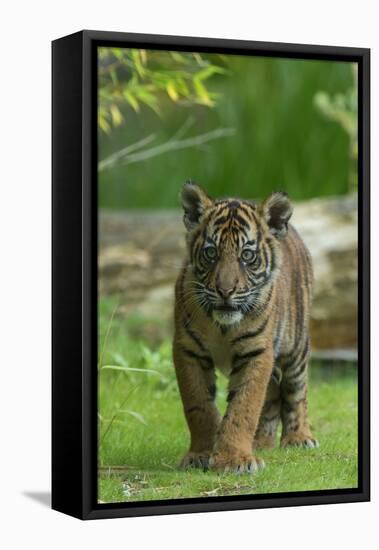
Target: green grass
(142, 429)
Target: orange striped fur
(242, 306)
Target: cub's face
(233, 251)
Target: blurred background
(239, 126)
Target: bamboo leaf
(131, 99)
(117, 117)
(202, 93)
(104, 125)
(171, 91)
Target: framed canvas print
(210, 275)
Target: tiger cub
(242, 306)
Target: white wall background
(26, 31)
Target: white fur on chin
(227, 317)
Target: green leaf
(180, 58)
(131, 99)
(137, 62)
(172, 92)
(117, 117)
(202, 93)
(104, 124)
(183, 88)
(129, 369)
(149, 99)
(209, 71)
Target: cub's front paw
(299, 439)
(195, 460)
(238, 462)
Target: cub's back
(293, 294)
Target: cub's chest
(220, 350)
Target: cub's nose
(225, 292)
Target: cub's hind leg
(294, 406)
(270, 415)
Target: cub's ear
(277, 210)
(194, 201)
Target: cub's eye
(210, 252)
(248, 255)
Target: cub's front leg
(196, 380)
(249, 379)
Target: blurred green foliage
(135, 78)
(343, 109)
(281, 141)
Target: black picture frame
(74, 272)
